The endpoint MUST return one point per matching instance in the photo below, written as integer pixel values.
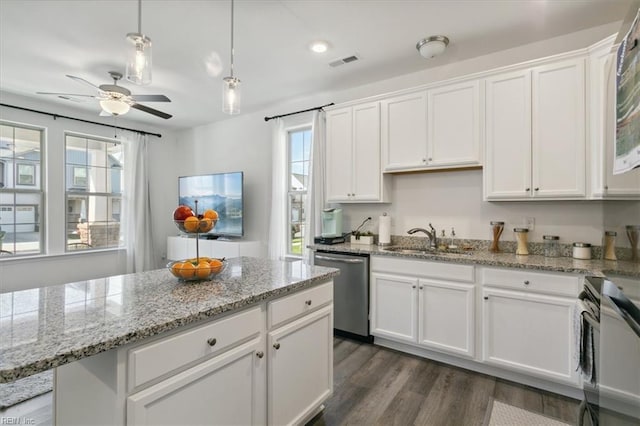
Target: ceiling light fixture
(231, 85)
(319, 46)
(432, 46)
(114, 106)
(139, 54)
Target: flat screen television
(222, 192)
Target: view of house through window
(299, 152)
(21, 190)
(94, 185)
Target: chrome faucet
(433, 238)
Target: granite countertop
(46, 327)
(509, 260)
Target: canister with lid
(496, 230)
(609, 245)
(582, 251)
(551, 245)
(521, 239)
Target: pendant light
(231, 85)
(139, 54)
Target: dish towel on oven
(583, 339)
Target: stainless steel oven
(609, 352)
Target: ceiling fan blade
(83, 81)
(155, 112)
(150, 98)
(66, 94)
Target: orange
(215, 265)
(210, 214)
(205, 225)
(191, 224)
(203, 270)
(187, 270)
(175, 268)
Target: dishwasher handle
(338, 259)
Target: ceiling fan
(114, 99)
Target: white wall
(59, 267)
(450, 199)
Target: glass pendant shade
(114, 106)
(139, 59)
(231, 95)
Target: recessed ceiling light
(319, 46)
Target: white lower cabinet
(530, 333)
(300, 371)
(433, 313)
(226, 390)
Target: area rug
(507, 415)
(23, 389)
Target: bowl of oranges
(188, 221)
(196, 269)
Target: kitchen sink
(415, 250)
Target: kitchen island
(146, 348)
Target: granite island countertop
(46, 327)
(508, 260)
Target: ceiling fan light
(138, 69)
(231, 95)
(432, 46)
(114, 106)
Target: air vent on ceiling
(343, 61)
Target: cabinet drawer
(423, 268)
(303, 302)
(566, 285)
(158, 358)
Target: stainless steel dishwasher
(350, 293)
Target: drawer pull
(526, 282)
(260, 354)
(308, 302)
(486, 298)
(212, 341)
(276, 346)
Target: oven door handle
(624, 314)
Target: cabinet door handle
(486, 298)
(526, 282)
(528, 189)
(606, 187)
(307, 302)
(424, 160)
(421, 287)
(537, 189)
(413, 286)
(212, 341)
(276, 346)
(430, 159)
(260, 354)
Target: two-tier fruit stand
(198, 268)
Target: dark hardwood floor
(379, 386)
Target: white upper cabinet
(453, 125)
(404, 132)
(535, 133)
(558, 137)
(603, 183)
(353, 171)
(436, 128)
(507, 170)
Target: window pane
(296, 146)
(296, 220)
(95, 168)
(21, 199)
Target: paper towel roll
(384, 230)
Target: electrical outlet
(529, 223)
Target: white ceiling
(41, 41)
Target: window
(21, 194)
(94, 179)
(26, 174)
(299, 152)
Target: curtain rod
(55, 116)
(298, 112)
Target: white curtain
(278, 219)
(136, 217)
(315, 189)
